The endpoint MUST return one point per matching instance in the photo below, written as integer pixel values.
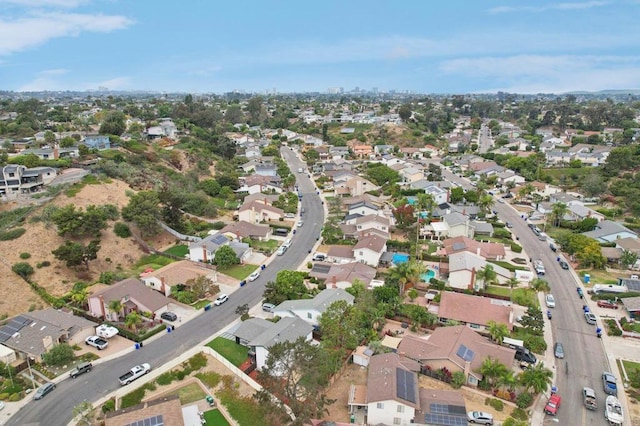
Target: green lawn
(239, 272)
(599, 276)
(215, 418)
(153, 261)
(524, 297)
(179, 250)
(498, 290)
(267, 247)
(200, 304)
(629, 366)
(236, 354)
(191, 393)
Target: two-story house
(369, 249)
(310, 310)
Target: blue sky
(198, 46)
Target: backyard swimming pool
(400, 258)
(426, 277)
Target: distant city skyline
(413, 46)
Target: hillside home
(241, 229)
(17, 179)
(458, 225)
(474, 311)
(340, 254)
(175, 273)
(363, 208)
(205, 249)
(355, 187)
(608, 231)
(490, 251)
(254, 184)
(463, 267)
(133, 296)
(438, 194)
(256, 212)
(342, 275)
(99, 142)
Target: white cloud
(39, 28)
(538, 73)
(56, 71)
(546, 8)
(50, 80)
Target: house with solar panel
(34, 333)
(205, 249)
(441, 408)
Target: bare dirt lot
(39, 240)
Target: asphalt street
(585, 357)
(56, 408)
(485, 143)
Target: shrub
(218, 225)
(165, 378)
(210, 379)
(180, 374)
(197, 361)
(516, 248)
(122, 230)
(25, 255)
(43, 264)
(109, 406)
(496, 404)
(457, 379)
(15, 397)
(12, 234)
(135, 397)
(245, 317)
(59, 355)
(4, 396)
(535, 344)
(524, 400)
(23, 269)
(519, 414)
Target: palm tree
(537, 199)
(536, 378)
(492, 369)
(115, 306)
(538, 284)
(508, 380)
(485, 202)
(497, 331)
(133, 320)
(406, 273)
(512, 282)
(558, 210)
(79, 298)
(486, 276)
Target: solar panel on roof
(149, 421)
(458, 246)
(405, 385)
(321, 269)
(465, 353)
(15, 325)
(219, 239)
(445, 420)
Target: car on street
(480, 417)
(509, 225)
(558, 350)
(268, 307)
(609, 383)
(564, 265)
(221, 299)
(81, 368)
(300, 224)
(553, 404)
(44, 390)
(500, 200)
(168, 316)
(610, 304)
(254, 275)
(590, 318)
(553, 248)
(550, 301)
(97, 342)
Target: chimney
(163, 286)
(102, 310)
(47, 342)
(473, 278)
(334, 282)
(204, 253)
(478, 251)
(56, 152)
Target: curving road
(585, 357)
(57, 407)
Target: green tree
(628, 258)
(76, 254)
(532, 321)
(457, 195)
(558, 210)
(536, 378)
(492, 369)
(538, 284)
(49, 137)
(113, 123)
(132, 320)
(23, 269)
(60, 354)
(225, 257)
(382, 175)
(485, 202)
(143, 209)
(297, 373)
(404, 112)
(497, 331)
(201, 286)
(289, 285)
(407, 273)
(340, 327)
(115, 306)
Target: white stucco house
(369, 249)
(310, 310)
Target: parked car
(96, 342)
(509, 225)
(609, 383)
(169, 316)
(558, 350)
(44, 390)
(553, 404)
(83, 367)
(608, 304)
(524, 355)
(254, 275)
(553, 248)
(319, 257)
(221, 299)
(590, 318)
(268, 307)
(550, 301)
(564, 265)
(300, 224)
(480, 417)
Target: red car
(553, 404)
(607, 304)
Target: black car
(564, 265)
(524, 355)
(44, 390)
(168, 316)
(553, 248)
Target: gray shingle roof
(288, 329)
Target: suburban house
(354, 187)
(310, 310)
(474, 311)
(340, 254)
(263, 198)
(608, 231)
(175, 273)
(458, 224)
(165, 411)
(256, 212)
(456, 348)
(463, 267)
(241, 229)
(99, 142)
(362, 150)
(490, 251)
(259, 335)
(52, 153)
(368, 222)
(369, 249)
(32, 334)
(441, 408)
(133, 296)
(343, 275)
(363, 208)
(577, 212)
(411, 174)
(17, 179)
(392, 391)
(439, 194)
(205, 249)
(266, 169)
(254, 184)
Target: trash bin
(207, 306)
(262, 267)
(137, 346)
(168, 329)
(587, 278)
(141, 344)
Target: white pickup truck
(135, 373)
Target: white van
(281, 250)
(286, 244)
